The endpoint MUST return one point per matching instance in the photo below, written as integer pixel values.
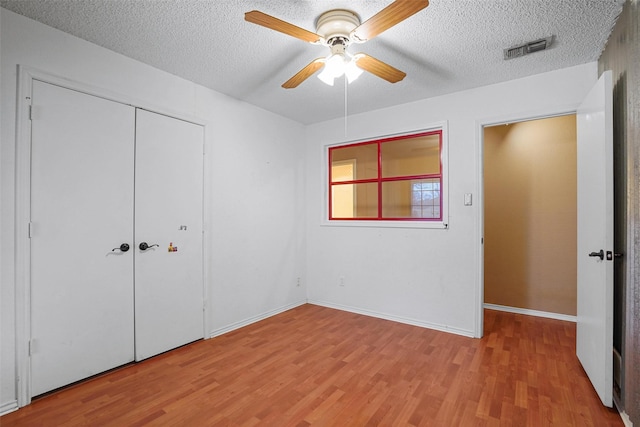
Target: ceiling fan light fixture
(337, 65)
(326, 77)
(334, 67)
(352, 71)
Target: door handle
(598, 254)
(123, 248)
(144, 246)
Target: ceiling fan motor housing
(338, 45)
(335, 26)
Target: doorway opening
(530, 217)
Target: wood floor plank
(314, 366)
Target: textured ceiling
(450, 46)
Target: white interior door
(594, 341)
(81, 209)
(168, 213)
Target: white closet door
(168, 213)
(81, 209)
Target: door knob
(598, 254)
(123, 248)
(144, 246)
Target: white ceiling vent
(527, 48)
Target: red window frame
(380, 180)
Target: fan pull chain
(346, 85)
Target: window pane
(343, 170)
(411, 156)
(411, 199)
(364, 158)
(342, 201)
(354, 200)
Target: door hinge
(30, 229)
(30, 112)
(29, 350)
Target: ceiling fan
(337, 29)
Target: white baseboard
(517, 310)
(625, 419)
(399, 319)
(7, 407)
(254, 319)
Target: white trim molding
(528, 312)
(394, 318)
(625, 419)
(246, 322)
(443, 224)
(8, 407)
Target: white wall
(428, 277)
(254, 178)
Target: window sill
(435, 225)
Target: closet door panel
(82, 172)
(168, 213)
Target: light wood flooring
(315, 366)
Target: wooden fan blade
(304, 74)
(379, 68)
(391, 15)
(260, 18)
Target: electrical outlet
(341, 281)
(298, 282)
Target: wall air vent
(527, 48)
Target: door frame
(22, 263)
(479, 235)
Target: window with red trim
(390, 179)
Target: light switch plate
(468, 199)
